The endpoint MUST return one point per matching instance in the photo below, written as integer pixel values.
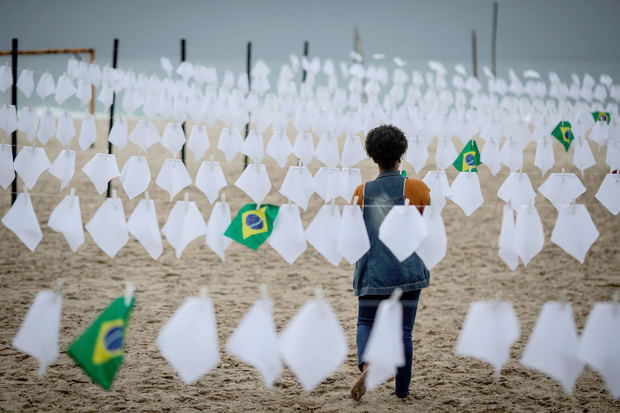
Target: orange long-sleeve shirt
(415, 190)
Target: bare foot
(359, 388)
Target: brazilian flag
(469, 158)
(99, 350)
(251, 227)
(601, 117)
(564, 134)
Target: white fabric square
(63, 167)
(321, 235)
(255, 182)
(288, 237)
(574, 231)
(465, 192)
(108, 227)
(30, 163)
(66, 218)
(608, 193)
(135, 176)
(210, 180)
(101, 169)
(173, 177)
(23, 222)
(142, 224)
(353, 241)
(529, 237)
(403, 230)
(561, 188)
(184, 224)
(219, 221)
(297, 185)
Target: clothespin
(26, 192)
(72, 195)
(407, 201)
(333, 206)
(355, 199)
(563, 298)
(129, 289)
(614, 301)
(223, 198)
(264, 295)
(203, 292)
(211, 161)
(563, 175)
(396, 294)
(58, 285)
(186, 199)
(114, 194)
(498, 298)
(318, 293)
(520, 173)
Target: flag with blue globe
(251, 227)
(469, 158)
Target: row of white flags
(313, 344)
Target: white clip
(211, 161)
(407, 201)
(318, 293)
(203, 292)
(129, 289)
(72, 195)
(258, 205)
(498, 298)
(264, 295)
(223, 198)
(58, 286)
(563, 298)
(146, 197)
(563, 175)
(355, 199)
(396, 294)
(114, 194)
(186, 200)
(333, 206)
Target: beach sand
(471, 271)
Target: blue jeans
(366, 316)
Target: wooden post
(114, 64)
(303, 73)
(494, 41)
(183, 125)
(474, 54)
(249, 69)
(14, 47)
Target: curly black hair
(385, 145)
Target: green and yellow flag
(564, 134)
(99, 350)
(469, 158)
(601, 117)
(251, 227)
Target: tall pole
(474, 54)
(494, 40)
(114, 64)
(303, 73)
(183, 125)
(14, 102)
(249, 69)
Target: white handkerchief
(8, 119)
(46, 86)
(608, 193)
(118, 133)
(143, 226)
(599, 344)
(173, 138)
(313, 344)
(304, 147)
(255, 182)
(446, 154)
(173, 177)
(384, 351)
(437, 182)
(66, 218)
(184, 224)
(28, 122)
(144, 134)
(63, 167)
(210, 179)
(135, 176)
(433, 248)
(326, 183)
(101, 169)
(554, 345)
(490, 156)
(279, 147)
(562, 188)
(613, 152)
(353, 152)
(353, 240)
(511, 155)
(198, 141)
(47, 127)
(350, 179)
(38, 334)
(288, 237)
(30, 163)
(529, 237)
(465, 192)
(84, 91)
(417, 153)
(253, 146)
(7, 170)
(255, 342)
(108, 227)
(583, 157)
(6, 77)
(64, 89)
(230, 143)
(489, 330)
(218, 223)
(88, 132)
(544, 159)
(600, 133)
(25, 82)
(574, 231)
(21, 219)
(517, 190)
(65, 130)
(321, 235)
(403, 230)
(327, 150)
(188, 340)
(506, 236)
(297, 185)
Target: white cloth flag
(465, 192)
(173, 138)
(108, 227)
(506, 236)
(353, 152)
(184, 224)
(135, 176)
(88, 132)
(218, 223)
(304, 147)
(64, 89)
(574, 231)
(7, 169)
(313, 344)
(118, 133)
(327, 150)
(529, 237)
(66, 129)
(30, 163)
(490, 156)
(288, 237)
(230, 143)
(6, 77)
(28, 122)
(46, 86)
(198, 141)
(445, 154)
(417, 153)
(583, 157)
(326, 183)
(608, 193)
(297, 185)
(599, 344)
(511, 155)
(25, 82)
(101, 169)
(353, 241)
(279, 148)
(63, 167)
(612, 158)
(255, 182)
(437, 182)
(210, 180)
(321, 235)
(47, 127)
(433, 248)
(66, 218)
(600, 133)
(403, 230)
(385, 351)
(144, 134)
(561, 188)
(517, 190)
(143, 226)
(188, 340)
(253, 146)
(256, 343)
(8, 119)
(350, 179)
(39, 332)
(21, 219)
(173, 177)
(553, 345)
(489, 330)
(544, 158)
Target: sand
(441, 381)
